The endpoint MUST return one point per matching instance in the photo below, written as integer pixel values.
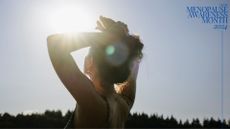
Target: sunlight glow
(70, 18)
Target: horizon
(29, 113)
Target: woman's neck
(103, 88)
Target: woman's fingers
(123, 26)
(107, 22)
(100, 26)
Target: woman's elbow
(53, 41)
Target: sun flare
(69, 18)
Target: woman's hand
(108, 25)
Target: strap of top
(70, 122)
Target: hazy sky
(179, 74)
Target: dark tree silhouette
(55, 119)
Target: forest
(56, 119)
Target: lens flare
(117, 53)
(110, 50)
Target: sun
(70, 18)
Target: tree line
(55, 119)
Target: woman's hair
(115, 59)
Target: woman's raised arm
(81, 88)
(128, 89)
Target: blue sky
(179, 74)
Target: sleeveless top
(70, 123)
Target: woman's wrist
(75, 41)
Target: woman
(105, 92)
